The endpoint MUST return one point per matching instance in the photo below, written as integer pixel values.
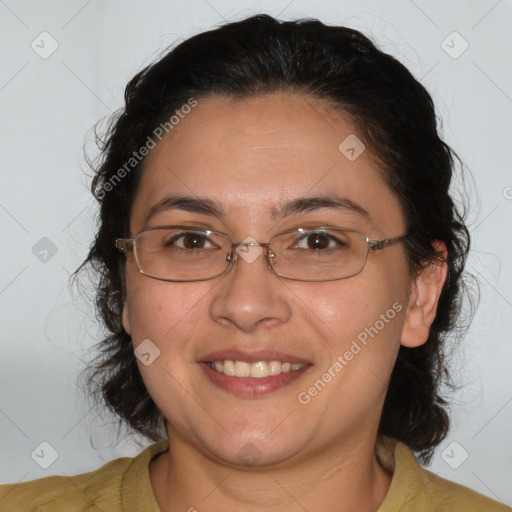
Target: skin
(251, 156)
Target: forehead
(253, 155)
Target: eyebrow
(211, 207)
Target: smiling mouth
(258, 369)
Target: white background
(47, 109)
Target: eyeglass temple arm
(378, 245)
(124, 244)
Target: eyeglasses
(184, 253)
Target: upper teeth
(259, 369)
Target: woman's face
(251, 158)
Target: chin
(256, 448)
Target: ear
(423, 299)
(125, 318)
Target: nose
(250, 295)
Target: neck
(344, 478)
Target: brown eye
(317, 241)
(188, 241)
(320, 241)
(193, 241)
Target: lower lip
(252, 387)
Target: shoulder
(95, 491)
(452, 497)
(415, 489)
(74, 492)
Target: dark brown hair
(394, 115)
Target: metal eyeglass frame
(130, 244)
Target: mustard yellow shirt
(124, 485)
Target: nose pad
(270, 256)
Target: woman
(279, 264)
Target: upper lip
(250, 357)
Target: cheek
(166, 314)
(164, 311)
(346, 308)
(363, 319)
